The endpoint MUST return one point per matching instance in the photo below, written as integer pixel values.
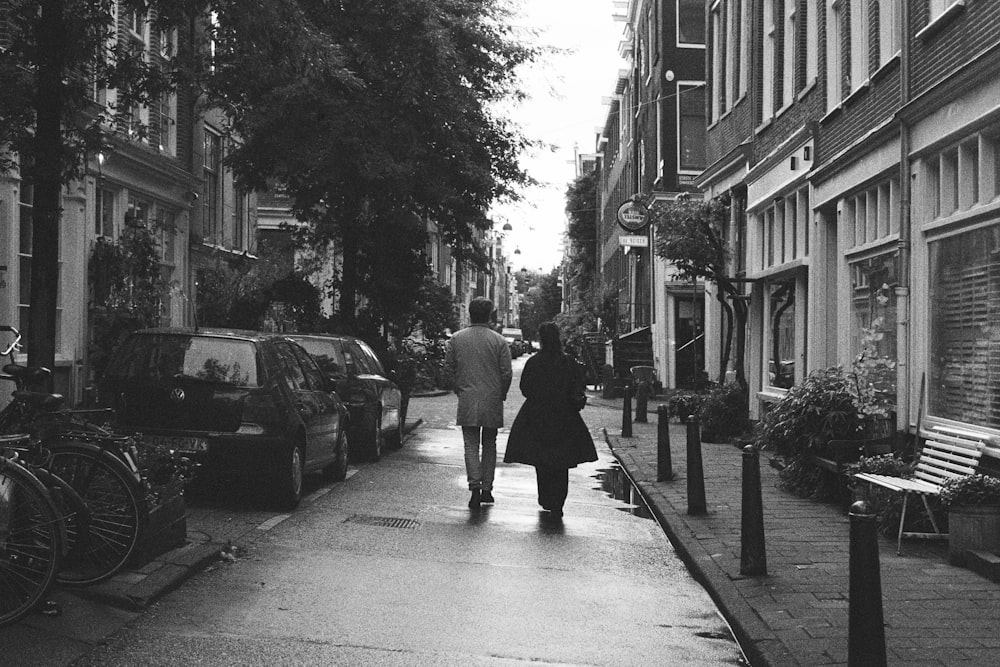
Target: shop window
(873, 322)
(964, 364)
(872, 215)
(781, 333)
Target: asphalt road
(392, 568)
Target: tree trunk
(349, 274)
(46, 175)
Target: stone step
(983, 563)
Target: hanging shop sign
(633, 215)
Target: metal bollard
(695, 470)
(664, 466)
(627, 410)
(866, 625)
(641, 402)
(753, 557)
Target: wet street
(392, 568)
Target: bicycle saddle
(26, 373)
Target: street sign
(633, 215)
(633, 240)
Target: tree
(55, 54)
(691, 235)
(581, 232)
(542, 302)
(395, 121)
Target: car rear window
(172, 356)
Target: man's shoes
(486, 497)
(477, 496)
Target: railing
(632, 315)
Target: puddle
(616, 484)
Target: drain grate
(382, 521)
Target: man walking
(480, 358)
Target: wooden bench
(947, 453)
(838, 454)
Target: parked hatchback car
(372, 396)
(244, 404)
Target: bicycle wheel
(74, 511)
(117, 505)
(30, 542)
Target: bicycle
(96, 463)
(31, 539)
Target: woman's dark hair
(548, 336)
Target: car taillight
(259, 412)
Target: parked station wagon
(244, 404)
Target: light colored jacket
(480, 358)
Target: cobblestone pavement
(797, 614)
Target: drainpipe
(904, 347)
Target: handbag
(577, 397)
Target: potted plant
(973, 504)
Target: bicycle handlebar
(16, 344)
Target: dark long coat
(548, 429)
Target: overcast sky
(564, 108)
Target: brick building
(651, 148)
(864, 172)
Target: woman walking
(548, 432)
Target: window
(859, 43)
(718, 67)
(767, 64)
(241, 219)
(168, 43)
(25, 225)
(25, 239)
(691, 22)
(212, 169)
(834, 58)
(962, 176)
(811, 42)
(167, 229)
(784, 229)
(964, 361)
(873, 321)
(873, 214)
(104, 213)
(691, 126)
(787, 62)
(888, 30)
(137, 214)
(166, 123)
(781, 333)
(742, 49)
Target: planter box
(973, 528)
(167, 527)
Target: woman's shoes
(477, 497)
(486, 497)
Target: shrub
(724, 413)
(682, 404)
(823, 407)
(970, 490)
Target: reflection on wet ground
(616, 484)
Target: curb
(136, 591)
(758, 641)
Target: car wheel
(288, 481)
(337, 471)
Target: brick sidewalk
(935, 614)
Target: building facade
(162, 171)
(865, 179)
(652, 148)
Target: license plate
(178, 443)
